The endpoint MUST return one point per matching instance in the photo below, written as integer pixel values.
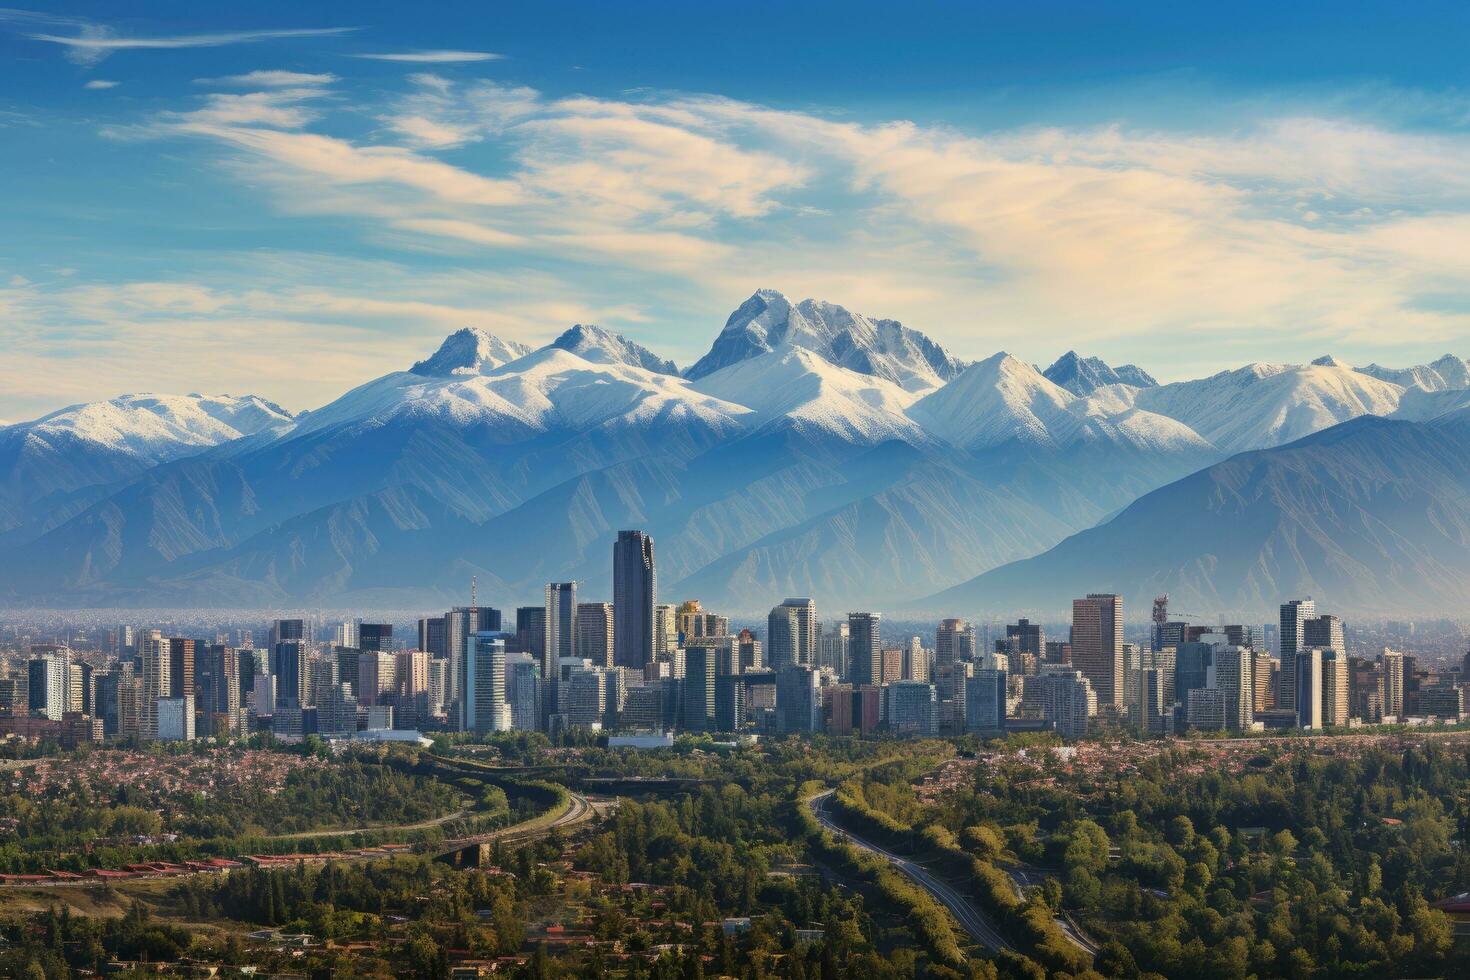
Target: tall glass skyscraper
(635, 590)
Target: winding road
(974, 923)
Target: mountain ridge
(789, 467)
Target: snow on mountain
(880, 348)
(1262, 405)
(470, 351)
(1449, 373)
(549, 389)
(794, 383)
(1419, 405)
(156, 427)
(593, 343)
(1084, 375)
(996, 401)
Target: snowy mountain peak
(469, 351)
(1449, 373)
(1327, 360)
(996, 401)
(157, 427)
(594, 343)
(794, 385)
(878, 348)
(1084, 375)
(1263, 405)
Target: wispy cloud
(1298, 225)
(90, 42)
(97, 84)
(438, 57)
(159, 335)
(270, 79)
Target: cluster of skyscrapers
(637, 665)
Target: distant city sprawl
(638, 670)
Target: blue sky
(289, 202)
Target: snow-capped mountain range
(811, 450)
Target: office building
(531, 634)
(1232, 677)
(750, 653)
(1030, 637)
(1292, 638)
(1393, 683)
(798, 699)
(832, 648)
(1307, 692)
(584, 696)
(482, 703)
(49, 681)
(595, 632)
(1064, 697)
(1193, 662)
(290, 669)
(1097, 645)
(665, 629)
(954, 643)
(635, 594)
(264, 695)
(1206, 709)
(377, 677)
(461, 623)
(1442, 701)
(1262, 675)
(432, 636)
(523, 691)
(336, 710)
(699, 689)
(783, 639)
(374, 636)
(1336, 681)
(561, 621)
(803, 647)
(411, 672)
(729, 703)
(222, 709)
(1155, 704)
(1324, 632)
(912, 708)
(175, 719)
(985, 697)
(864, 648)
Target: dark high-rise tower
(864, 648)
(635, 591)
(375, 637)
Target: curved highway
(969, 917)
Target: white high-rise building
(1308, 688)
(483, 707)
(1393, 683)
(1232, 676)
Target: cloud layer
(659, 211)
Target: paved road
(384, 828)
(1023, 875)
(578, 809)
(969, 917)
